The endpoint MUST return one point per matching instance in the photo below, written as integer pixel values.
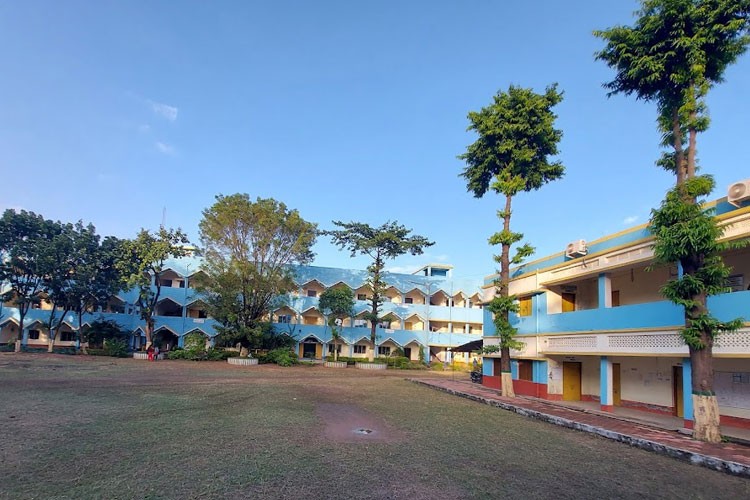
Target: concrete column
(606, 397)
(25, 337)
(687, 392)
(325, 349)
(605, 291)
(181, 340)
(351, 350)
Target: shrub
(115, 347)
(281, 356)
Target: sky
(124, 114)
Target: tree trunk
(505, 373)
(506, 378)
(692, 137)
(51, 342)
(680, 167)
(149, 332)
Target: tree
(673, 55)
(58, 279)
(511, 155)
(337, 304)
(249, 250)
(388, 241)
(141, 262)
(97, 276)
(24, 237)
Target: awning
(474, 345)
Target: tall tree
(382, 243)
(97, 277)
(249, 249)
(24, 238)
(59, 277)
(141, 262)
(337, 304)
(673, 55)
(511, 155)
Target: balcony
(661, 314)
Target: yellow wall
(9, 333)
(313, 285)
(416, 297)
(393, 295)
(413, 323)
(363, 290)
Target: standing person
(156, 353)
(150, 352)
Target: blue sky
(112, 111)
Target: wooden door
(568, 302)
(524, 306)
(616, 399)
(571, 381)
(677, 391)
(615, 298)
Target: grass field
(79, 427)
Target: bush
(281, 356)
(200, 354)
(115, 347)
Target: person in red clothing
(150, 352)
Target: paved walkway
(733, 458)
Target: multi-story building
(596, 327)
(427, 310)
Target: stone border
(335, 364)
(242, 361)
(718, 464)
(370, 366)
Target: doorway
(568, 302)
(571, 381)
(308, 350)
(677, 395)
(407, 352)
(616, 398)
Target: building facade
(425, 311)
(596, 327)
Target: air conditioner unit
(576, 249)
(739, 192)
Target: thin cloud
(164, 110)
(164, 148)
(629, 220)
(144, 128)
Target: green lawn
(79, 427)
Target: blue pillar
(680, 272)
(181, 340)
(514, 369)
(606, 398)
(605, 291)
(539, 373)
(687, 390)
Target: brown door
(677, 391)
(615, 298)
(616, 384)
(571, 381)
(524, 306)
(568, 302)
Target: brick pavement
(727, 457)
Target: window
(312, 293)
(33, 334)
(360, 349)
(332, 348)
(285, 318)
(202, 313)
(182, 283)
(67, 336)
(525, 369)
(384, 350)
(409, 300)
(361, 296)
(360, 323)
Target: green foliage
(516, 137)
(249, 247)
(676, 51)
(100, 331)
(197, 354)
(142, 259)
(281, 357)
(259, 335)
(688, 233)
(382, 243)
(116, 347)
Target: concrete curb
(727, 466)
